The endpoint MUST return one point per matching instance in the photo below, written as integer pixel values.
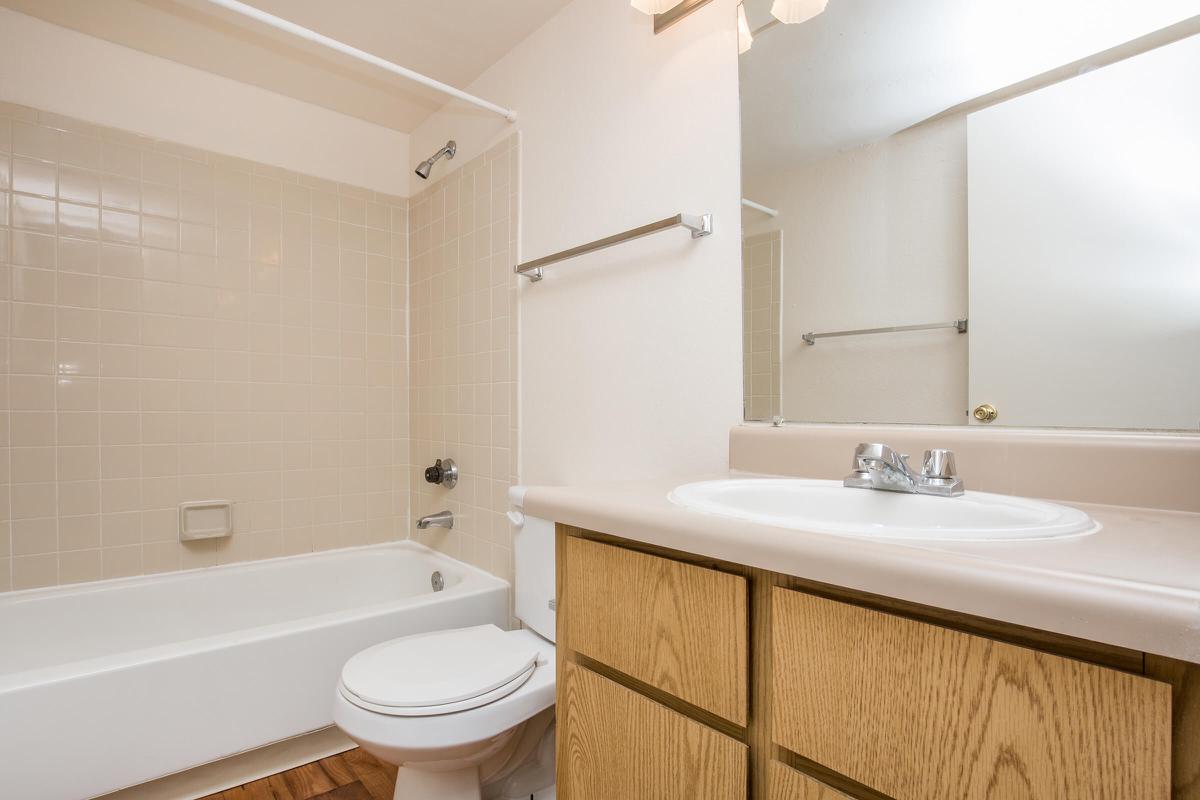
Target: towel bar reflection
(959, 325)
(699, 224)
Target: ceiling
(865, 69)
(453, 41)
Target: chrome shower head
(426, 166)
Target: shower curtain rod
(333, 44)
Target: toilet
(468, 713)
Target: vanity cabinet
(685, 677)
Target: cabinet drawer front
(785, 783)
(920, 712)
(678, 627)
(613, 743)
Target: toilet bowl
(464, 718)
(468, 713)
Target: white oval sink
(829, 507)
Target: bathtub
(110, 684)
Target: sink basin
(829, 507)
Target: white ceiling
(866, 69)
(453, 41)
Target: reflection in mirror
(950, 205)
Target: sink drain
(437, 581)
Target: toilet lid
(441, 668)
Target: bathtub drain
(437, 581)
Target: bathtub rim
(475, 581)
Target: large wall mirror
(972, 212)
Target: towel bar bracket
(699, 224)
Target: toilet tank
(533, 557)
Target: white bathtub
(110, 684)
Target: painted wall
(60, 70)
(630, 358)
(874, 237)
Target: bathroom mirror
(969, 212)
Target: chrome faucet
(442, 519)
(877, 466)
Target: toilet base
(456, 784)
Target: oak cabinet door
(678, 627)
(785, 783)
(921, 712)
(615, 744)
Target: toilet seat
(438, 673)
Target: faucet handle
(860, 476)
(444, 472)
(939, 464)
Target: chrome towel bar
(698, 224)
(959, 325)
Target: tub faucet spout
(442, 519)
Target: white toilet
(467, 713)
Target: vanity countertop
(1135, 583)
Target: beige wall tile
(121, 562)
(78, 533)
(459, 309)
(119, 227)
(34, 536)
(78, 566)
(34, 250)
(34, 177)
(761, 257)
(180, 325)
(30, 572)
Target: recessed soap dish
(205, 519)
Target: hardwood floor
(352, 775)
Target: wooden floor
(352, 775)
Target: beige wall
(70, 73)
(875, 237)
(760, 325)
(180, 325)
(464, 334)
(630, 358)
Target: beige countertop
(1135, 583)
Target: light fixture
(794, 11)
(653, 6)
(745, 39)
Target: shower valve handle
(443, 471)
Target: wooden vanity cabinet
(683, 677)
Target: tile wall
(464, 353)
(761, 256)
(178, 325)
